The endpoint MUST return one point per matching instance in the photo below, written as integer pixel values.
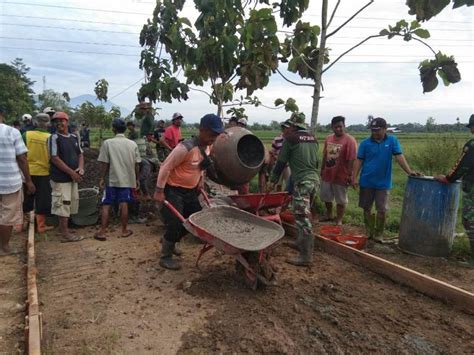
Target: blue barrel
(429, 217)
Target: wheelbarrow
(253, 203)
(246, 237)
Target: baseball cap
(61, 115)
(471, 121)
(378, 123)
(176, 115)
(119, 123)
(42, 117)
(212, 122)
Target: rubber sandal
(129, 233)
(72, 239)
(100, 237)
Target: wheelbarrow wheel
(265, 274)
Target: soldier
(299, 150)
(464, 169)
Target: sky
(72, 44)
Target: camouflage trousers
(301, 206)
(468, 210)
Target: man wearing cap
(28, 125)
(119, 158)
(178, 180)
(339, 154)
(162, 148)
(277, 144)
(464, 169)
(374, 162)
(300, 150)
(38, 161)
(50, 112)
(172, 135)
(13, 168)
(67, 169)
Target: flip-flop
(72, 239)
(11, 252)
(128, 234)
(100, 237)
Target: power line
(67, 28)
(127, 88)
(70, 20)
(76, 8)
(75, 42)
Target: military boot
(369, 223)
(166, 259)
(305, 258)
(379, 228)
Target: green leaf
(459, 3)
(414, 25)
(444, 77)
(422, 33)
(279, 102)
(384, 32)
(452, 73)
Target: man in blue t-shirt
(374, 162)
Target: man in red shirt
(339, 154)
(172, 135)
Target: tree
(56, 100)
(14, 94)
(306, 49)
(230, 45)
(430, 124)
(23, 71)
(97, 116)
(101, 89)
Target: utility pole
(44, 83)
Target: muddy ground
(109, 297)
(12, 298)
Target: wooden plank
(34, 317)
(425, 284)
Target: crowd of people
(44, 160)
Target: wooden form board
(425, 284)
(33, 324)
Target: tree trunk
(319, 67)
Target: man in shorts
(374, 162)
(14, 164)
(67, 170)
(339, 154)
(119, 159)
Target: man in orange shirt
(172, 135)
(178, 180)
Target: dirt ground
(109, 297)
(12, 298)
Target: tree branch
(204, 92)
(333, 13)
(349, 50)
(304, 61)
(426, 44)
(350, 19)
(293, 82)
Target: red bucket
(353, 241)
(330, 232)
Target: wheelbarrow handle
(174, 210)
(206, 197)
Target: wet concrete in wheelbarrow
(112, 297)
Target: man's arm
(357, 166)
(66, 169)
(281, 162)
(163, 143)
(103, 170)
(137, 175)
(80, 170)
(175, 158)
(23, 165)
(400, 158)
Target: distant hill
(79, 100)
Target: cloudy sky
(74, 43)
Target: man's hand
(76, 177)
(415, 173)
(30, 188)
(80, 171)
(102, 183)
(159, 196)
(441, 178)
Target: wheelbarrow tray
(252, 202)
(224, 226)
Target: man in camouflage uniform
(299, 150)
(464, 169)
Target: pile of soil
(91, 169)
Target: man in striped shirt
(13, 165)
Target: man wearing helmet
(67, 169)
(50, 112)
(27, 121)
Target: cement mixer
(237, 157)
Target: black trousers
(186, 202)
(41, 200)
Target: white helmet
(49, 110)
(26, 117)
(242, 121)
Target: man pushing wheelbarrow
(179, 180)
